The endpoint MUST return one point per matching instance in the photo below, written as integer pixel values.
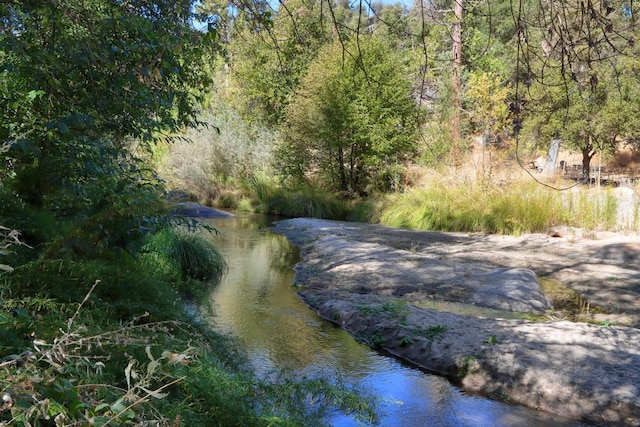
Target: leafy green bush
(128, 289)
(21, 317)
(36, 226)
(91, 220)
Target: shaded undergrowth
(164, 373)
(95, 332)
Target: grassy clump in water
(187, 252)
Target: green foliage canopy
(352, 118)
(487, 100)
(79, 78)
(268, 57)
(581, 78)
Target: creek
(256, 302)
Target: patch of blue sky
(275, 4)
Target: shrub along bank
(98, 334)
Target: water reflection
(256, 302)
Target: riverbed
(371, 280)
(258, 303)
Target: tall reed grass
(300, 202)
(513, 208)
(591, 211)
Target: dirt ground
(375, 282)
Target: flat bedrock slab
(354, 275)
(575, 370)
(399, 262)
(415, 276)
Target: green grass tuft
(301, 202)
(310, 203)
(192, 254)
(514, 209)
(592, 211)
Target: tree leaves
(106, 71)
(352, 117)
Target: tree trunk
(456, 95)
(587, 155)
(550, 165)
(353, 180)
(342, 170)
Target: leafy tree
(80, 79)
(489, 35)
(487, 100)
(393, 22)
(352, 119)
(452, 40)
(268, 52)
(581, 76)
(589, 117)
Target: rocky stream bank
(470, 307)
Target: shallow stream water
(256, 301)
